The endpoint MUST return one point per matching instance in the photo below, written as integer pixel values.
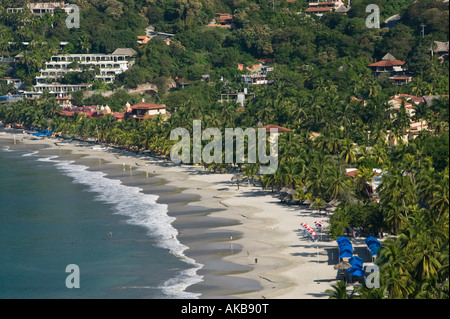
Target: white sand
(289, 266)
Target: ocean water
(56, 213)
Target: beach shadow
(318, 295)
(363, 253)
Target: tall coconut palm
(348, 152)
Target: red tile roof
(325, 9)
(279, 128)
(351, 173)
(385, 63)
(148, 106)
(118, 115)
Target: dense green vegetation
(320, 64)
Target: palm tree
(425, 257)
(251, 171)
(339, 291)
(421, 112)
(348, 151)
(338, 184)
(266, 113)
(363, 180)
(395, 216)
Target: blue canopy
(357, 266)
(43, 133)
(373, 244)
(356, 262)
(356, 272)
(345, 247)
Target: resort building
(39, 9)
(92, 112)
(257, 77)
(415, 127)
(60, 90)
(108, 66)
(320, 7)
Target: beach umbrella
(343, 265)
(292, 192)
(333, 203)
(236, 176)
(284, 190)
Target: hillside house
(388, 64)
(441, 49)
(144, 110)
(223, 20)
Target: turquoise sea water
(55, 213)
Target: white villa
(319, 7)
(39, 9)
(109, 65)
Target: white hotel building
(109, 65)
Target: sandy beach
(247, 240)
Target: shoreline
(208, 209)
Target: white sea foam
(31, 154)
(5, 148)
(142, 210)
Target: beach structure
(357, 267)
(345, 248)
(373, 245)
(309, 231)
